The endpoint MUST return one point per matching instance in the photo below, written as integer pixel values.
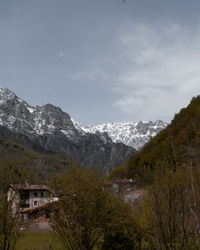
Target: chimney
(26, 183)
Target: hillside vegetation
(176, 144)
(39, 164)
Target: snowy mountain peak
(51, 129)
(8, 95)
(19, 116)
(134, 134)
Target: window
(48, 214)
(116, 187)
(35, 194)
(41, 194)
(35, 203)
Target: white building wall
(38, 197)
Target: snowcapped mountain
(134, 134)
(19, 116)
(53, 130)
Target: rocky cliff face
(134, 134)
(53, 130)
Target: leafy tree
(122, 231)
(166, 211)
(194, 201)
(80, 214)
(88, 216)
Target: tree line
(88, 216)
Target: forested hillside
(177, 143)
(40, 165)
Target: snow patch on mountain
(19, 116)
(134, 134)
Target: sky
(102, 60)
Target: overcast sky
(102, 60)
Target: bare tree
(10, 222)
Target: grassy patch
(39, 241)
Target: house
(121, 186)
(34, 203)
(30, 195)
(126, 188)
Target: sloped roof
(41, 206)
(30, 187)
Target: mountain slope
(51, 129)
(39, 165)
(134, 134)
(177, 143)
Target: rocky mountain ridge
(53, 130)
(134, 134)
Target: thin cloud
(162, 70)
(89, 74)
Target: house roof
(39, 207)
(29, 187)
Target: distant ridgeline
(172, 147)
